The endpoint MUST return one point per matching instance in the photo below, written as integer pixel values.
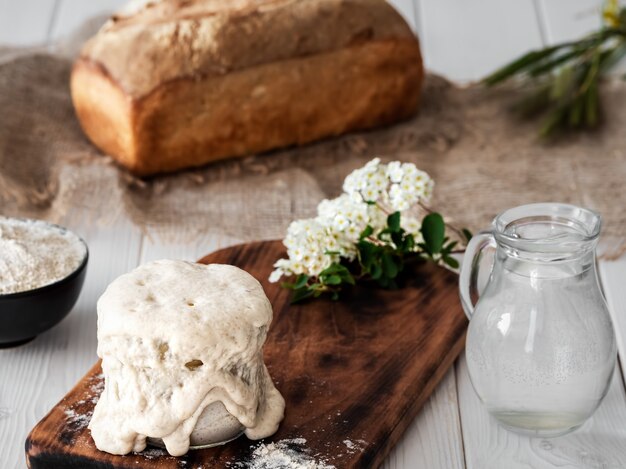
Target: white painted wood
(433, 441)
(72, 14)
(598, 444)
(25, 22)
(34, 377)
(613, 275)
(162, 246)
(565, 20)
(462, 39)
(467, 39)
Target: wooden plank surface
(613, 275)
(434, 438)
(467, 39)
(395, 346)
(33, 377)
(72, 13)
(25, 22)
(598, 444)
(566, 20)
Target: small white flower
(400, 204)
(395, 172)
(411, 225)
(371, 194)
(276, 275)
(340, 223)
(353, 233)
(372, 165)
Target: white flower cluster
(396, 185)
(370, 194)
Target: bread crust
(191, 120)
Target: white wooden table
(461, 39)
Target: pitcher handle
(469, 268)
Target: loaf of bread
(180, 83)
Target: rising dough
(175, 337)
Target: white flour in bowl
(34, 254)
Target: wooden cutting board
(354, 374)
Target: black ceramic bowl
(24, 315)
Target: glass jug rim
(579, 228)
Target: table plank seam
(54, 16)
(541, 21)
(458, 403)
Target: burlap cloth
(482, 159)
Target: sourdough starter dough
(174, 338)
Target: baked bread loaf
(180, 83)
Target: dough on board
(175, 337)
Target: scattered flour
(34, 254)
(284, 454)
(80, 412)
(77, 419)
(354, 446)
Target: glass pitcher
(540, 346)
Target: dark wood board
(358, 369)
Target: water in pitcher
(540, 347)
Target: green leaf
(549, 65)
(575, 114)
(613, 57)
(335, 296)
(390, 269)
(468, 234)
(366, 232)
(393, 222)
(408, 243)
(302, 294)
(334, 268)
(382, 236)
(563, 83)
(332, 280)
(591, 105)
(367, 254)
(520, 64)
(433, 230)
(376, 271)
(447, 249)
(398, 238)
(348, 278)
(301, 281)
(451, 261)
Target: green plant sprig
(564, 78)
(382, 257)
